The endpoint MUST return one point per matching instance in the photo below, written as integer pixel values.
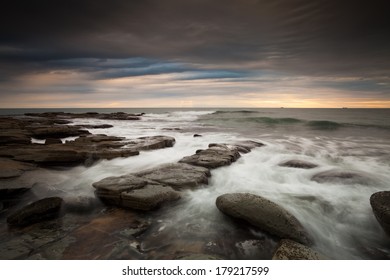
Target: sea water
(338, 216)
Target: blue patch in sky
(214, 74)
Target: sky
(194, 53)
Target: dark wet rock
(152, 142)
(298, 164)
(94, 126)
(135, 229)
(290, 250)
(98, 139)
(14, 249)
(101, 236)
(60, 131)
(51, 155)
(53, 141)
(88, 115)
(177, 175)
(253, 249)
(245, 147)
(213, 157)
(242, 150)
(85, 150)
(119, 116)
(13, 137)
(172, 129)
(80, 204)
(248, 144)
(10, 168)
(197, 135)
(14, 191)
(343, 177)
(7, 190)
(149, 197)
(264, 214)
(125, 250)
(380, 203)
(44, 209)
(45, 114)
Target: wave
(235, 112)
(252, 117)
(271, 121)
(324, 125)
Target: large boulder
(380, 203)
(290, 250)
(295, 163)
(264, 214)
(177, 175)
(347, 177)
(41, 210)
(216, 156)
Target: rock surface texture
(264, 214)
(380, 203)
(10, 168)
(290, 250)
(44, 209)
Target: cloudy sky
(200, 53)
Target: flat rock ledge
(88, 115)
(41, 210)
(213, 157)
(291, 250)
(264, 214)
(380, 203)
(177, 175)
(85, 149)
(218, 155)
(10, 168)
(149, 189)
(298, 164)
(17, 133)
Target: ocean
(338, 216)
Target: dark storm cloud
(234, 40)
(302, 36)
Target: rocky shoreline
(120, 221)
